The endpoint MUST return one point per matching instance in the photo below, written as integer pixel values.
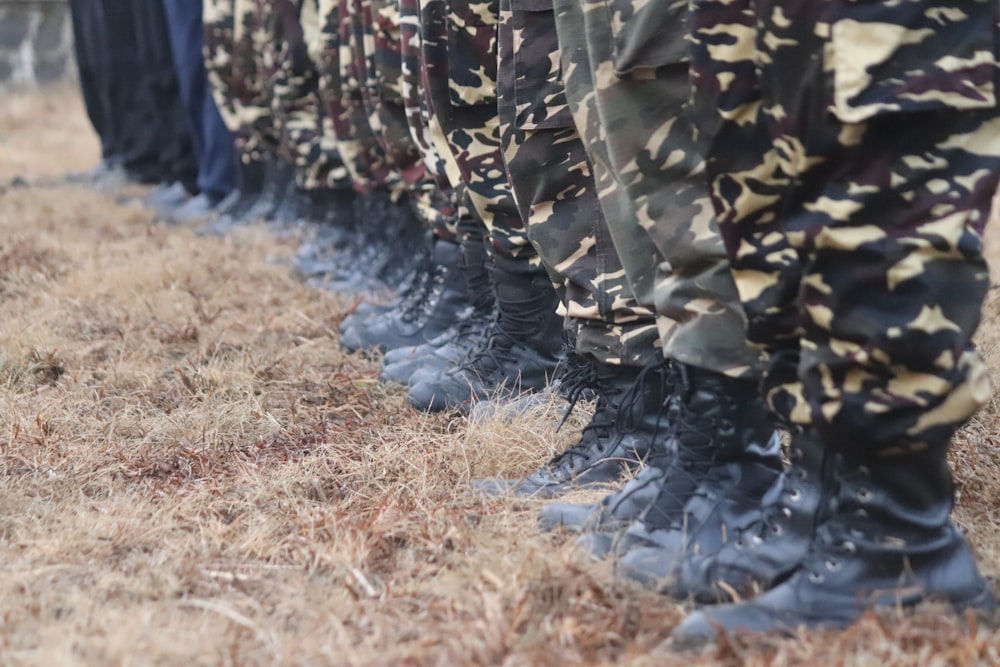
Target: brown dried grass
(191, 472)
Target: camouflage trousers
(377, 29)
(295, 98)
(556, 193)
(236, 36)
(458, 41)
(853, 150)
(627, 84)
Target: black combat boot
(620, 436)
(425, 362)
(442, 303)
(616, 511)
(293, 208)
(277, 175)
(519, 351)
(888, 542)
(769, 549)
(230, 212)
(333, 213)
(723, 438)
(391, 245)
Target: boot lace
(614, 414)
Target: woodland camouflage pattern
(378, 64)
(235, 37)
(627, 84)
(856, 238)
(556, 193)
(295, 98)
(459, 54)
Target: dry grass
(192, 473)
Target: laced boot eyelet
(849, 547)
(785, 512)
(833, 565)
(777, 530)
(795, 496)
(756, 540)
(864, 495)
(816, 577)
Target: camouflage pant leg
(249, 72)
(340, 86)
(459, 48)
(557, 193)
(217, 21)
(289, 73)
(628, 84)
(377, 30)
(421, 123)
(295, 103)
(867, 284)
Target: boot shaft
(526, 313)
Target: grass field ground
(193, 473)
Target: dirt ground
(193, 473)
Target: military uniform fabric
(295, 99)
(375, 24)
(852, 186)
(235, 39)
(425, 129)
(458, 40)
(627, 86)
(557, 195)
(340, 94)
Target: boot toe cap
(493, 486)
(597, 545)
(567, 516)
(650, 566)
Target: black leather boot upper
(440, 305)
(888, 542)
(725, 455)
(519, 351)
(619, 437)
(769, 549)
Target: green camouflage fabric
(554, 187)
(219, 43)
(235, 38)
(853, 150)
(627, 86)
(295, 98)
(458, 41)
(340, 89)
(379, 57)
(425, 129)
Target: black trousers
(130, 89)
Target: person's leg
(519, 351)
(628, 105)
(212, 142)
(553, 185)
(882, 213)
(159, 130)
(92, 59)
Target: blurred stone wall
(36, 42)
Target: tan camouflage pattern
(425, 129)
(626, 83)
(458, 41)
(377, 28)
(235, 38)
(295, 98)
(554, 187)
(853, 149)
